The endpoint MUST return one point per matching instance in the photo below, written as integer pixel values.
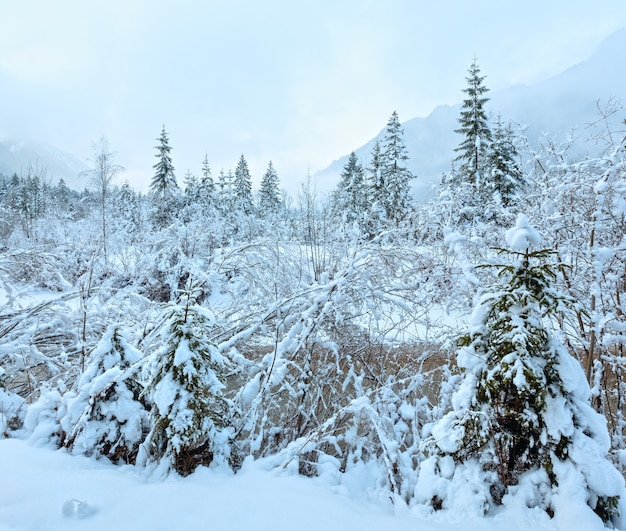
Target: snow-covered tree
(375, 184)
(505, 179)
(269, 194)
(165, 199)
(521, 427)
(164, 179)
(127, 210)
(242, 187)
(207, 186)
(475, 130)
(395, 177)
(349, 201)
(10, 404)
(105, 416)
(189, 415)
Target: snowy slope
(45, 490)
(50, 163)
(553, 107)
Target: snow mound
(523, 235)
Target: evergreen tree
(164, 180)
(192, 188)
(474, 127)
(127, 209)
(207, 186)
(243, 187)
(185, 385)
(394, 190)
(521, 420)
(375, 181)
(506, 177)
(61, 194)
(269, 195)
(350, 197)
(224, 185)
(375, 189)
(106, 416)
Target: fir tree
(192, 187)
(269, 195)
(375, 189)
(506, 177)
(164, 179)
(185, 385)
(207, 186)
(394, 190)
(127, 209)
(106, 416)
(474, 127)
(350, 197)
(243, 187)
(61, 194)
(521, 420)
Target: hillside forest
(471, 340)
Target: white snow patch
(523, 235)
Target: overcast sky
(298, 82)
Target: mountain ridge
(21, 155)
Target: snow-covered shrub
(42, 422)
(189, 424)
(105, 416)
(10, 404)
(521, 423)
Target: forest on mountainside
(478, 334)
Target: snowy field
(46, 490)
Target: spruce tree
(192, 188)
(127, 209)
(474, 127)
(207, 186)
(269, 195)
(186, 388)
(375, 190)
(521, 422)
(164, 179)
(106, 416)
(243, 187)
(394, 192)
(350, 197)
(506, 177)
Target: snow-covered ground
(47, 490)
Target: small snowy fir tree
(165, 203)
(506, 177)
(207, 186)
(269, 194)
(185, 387)
(395, 176)
(521, 430)
(350, 196)
(164, 179)
(105, 417)
(243, 186)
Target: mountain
(554, 107)
(52, 164)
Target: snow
(43, 490)
(522, 236)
